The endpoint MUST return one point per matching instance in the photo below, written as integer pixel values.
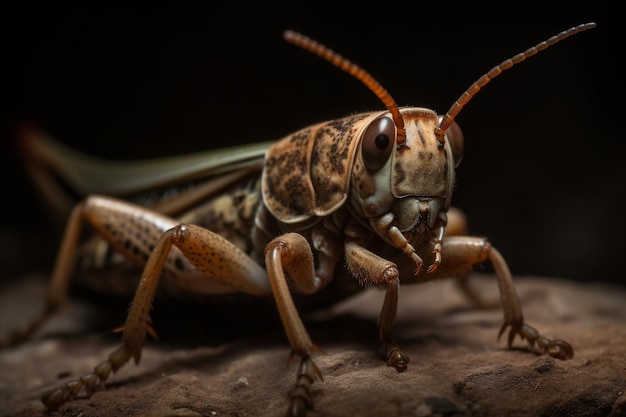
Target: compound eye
(378, 142)
(454, 135)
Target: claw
(90, 382)
(396, 358)
(515, 329)
(559, 349)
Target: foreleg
(461, 252)
(371, 269)
(457, 226)
(290, 256)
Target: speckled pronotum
(359, 201)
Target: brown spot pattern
(333, 155)
(230, 214)
(308, 173)
(286, 186)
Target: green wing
(63, 175)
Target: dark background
(544, 163)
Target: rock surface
(458, 368)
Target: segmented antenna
(366, 78)
(456, 108)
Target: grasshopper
(345, 204)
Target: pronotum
(360, 201)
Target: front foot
(301, 397)
(558, 348)
(396, 358)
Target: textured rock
(458, 368)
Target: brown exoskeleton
(366, 198)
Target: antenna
(457, 106)
(366, 78)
